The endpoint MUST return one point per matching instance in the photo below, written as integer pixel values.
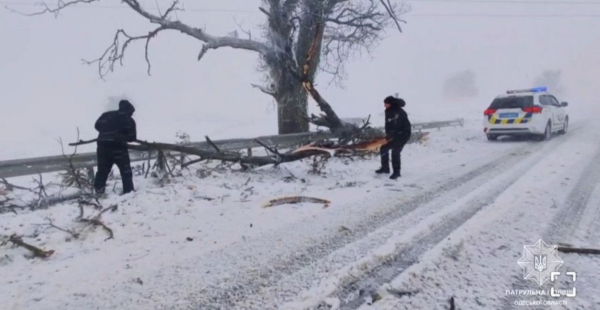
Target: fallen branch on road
(97, 222)
(51, 224)
(294, 200)
(37, 252)
(578, 250)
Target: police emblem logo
(539, 261)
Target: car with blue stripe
(531, 112)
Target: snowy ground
(454, 225)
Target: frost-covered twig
(97, 222)
(51, 224)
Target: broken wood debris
(37, 252)
(578, 250)
(97, 222)
(400, 294)
(295, 200)
(68, 231)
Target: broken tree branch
(228, 156)
(272, 150)
(37, 252)
(330, 120)
(578, 250)
(51, 224)
(209, 141)
(97, 222)
(6, 205)
(10, 186)
(74, 176)
(295, 200)
(116, 51)
(82, 142)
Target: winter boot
(382, 170)
(395, 175)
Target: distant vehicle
(528, 112)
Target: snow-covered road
(454, 225)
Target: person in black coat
(397, 132)
(115, 129)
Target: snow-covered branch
(353, 27)
(61, 4)
(212, 42)
(116, 51)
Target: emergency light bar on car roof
(531, 90)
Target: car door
(559, 112)
(548, 111)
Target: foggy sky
(46, 92)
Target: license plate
(509, 115)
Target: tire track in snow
(350, 295)
(246, 288)
(567, 220)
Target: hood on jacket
(395, 102)
(126, 106)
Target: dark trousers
(109, 155)
(395, 146)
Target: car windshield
(512, 102)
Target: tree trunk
(291, 97)
(292, 109)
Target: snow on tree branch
(354, 26)
(59, 7)
(116, 51)
(212, 42)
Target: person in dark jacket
(397, 132)
(115, 129)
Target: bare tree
(346, 27)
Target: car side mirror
(564, 104)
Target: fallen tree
(351, 139)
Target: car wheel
(492, 137)
(565, 127)
(547, 133)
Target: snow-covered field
(453, 225)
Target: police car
(528, 112)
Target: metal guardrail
(438, 125)
(31, 166)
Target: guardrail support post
(90, 173)
(249, 150)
